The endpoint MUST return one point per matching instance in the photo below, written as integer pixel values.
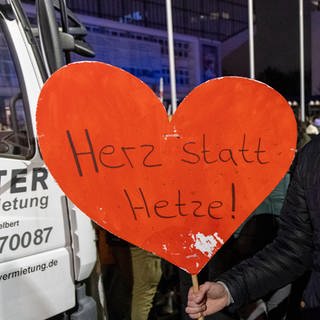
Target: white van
(47, 245)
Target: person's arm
(286, 258)
(279, 263)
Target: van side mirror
(57, 43)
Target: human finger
(195, 311)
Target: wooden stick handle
(195, 285)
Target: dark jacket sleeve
(286, 258)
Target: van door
(36, 263)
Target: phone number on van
(16, 241)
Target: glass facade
(132, 35)
(145, 55)
(211, 19)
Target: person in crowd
(316, 121)
(147, 272)
(117, 276)
(295, 250)
(130, 279)
(258, 230)
(312, 130)
(303, 135)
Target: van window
(14, 139)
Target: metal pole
(171, 57)
(161, 90)
(302, 90)
(251, 38)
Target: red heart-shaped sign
(180, 188)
